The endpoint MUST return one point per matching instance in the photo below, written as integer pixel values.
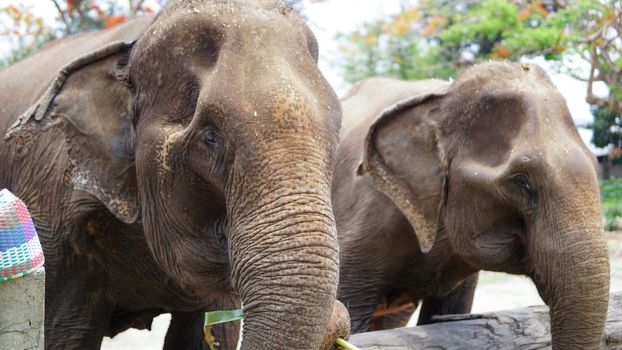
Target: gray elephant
(178, 164)
(435, 181)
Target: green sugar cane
(217, 317)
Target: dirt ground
(495, 291)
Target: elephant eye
(210, 137)
(521, 181)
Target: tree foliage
(611, 201)
(84, 15)
(437, 38)
(25, 32)
(607, 128)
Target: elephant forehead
(498, 108)
(287, 121)
(524, 129)
(248, 61)
(270, 100)
(192, 35)
(294, 106)
(491, 124)
(245, 18)
(270, 105)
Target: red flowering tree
(437, 38)
(25, 32)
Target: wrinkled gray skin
(179, 164)
(485, 173)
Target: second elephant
(435, 181)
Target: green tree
(26, 33)
(23, 31)
(84, 15)
(437, 38)
(607, 128)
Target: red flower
(114, 20)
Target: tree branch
(62, 17)
(591, 98)
(592, 37)
(577, 77)
(84, 26)
(609, 62)
(134, 8)
(610, 103)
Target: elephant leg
(186, 331)
(458, 301)
(398, 317)
(226, 335)
(361, 315)
(186, 328)
(76, 315)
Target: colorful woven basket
(20, 250)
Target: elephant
(436, 180)
(180, 163)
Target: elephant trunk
(284, 255)
(571, 271)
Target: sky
(329, 17)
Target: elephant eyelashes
(522, 182)
(221, 237)
(210, 137)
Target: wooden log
(526, 328)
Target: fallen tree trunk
(526, 328)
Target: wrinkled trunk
(284, 255)
(571, 270)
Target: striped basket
(20, 250)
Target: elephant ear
(89, 101)
(405, 161)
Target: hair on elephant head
(490, 170)
(212, 129)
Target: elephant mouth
(500, 248)
(205, 293)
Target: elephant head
(493, 165)
(214, 130)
